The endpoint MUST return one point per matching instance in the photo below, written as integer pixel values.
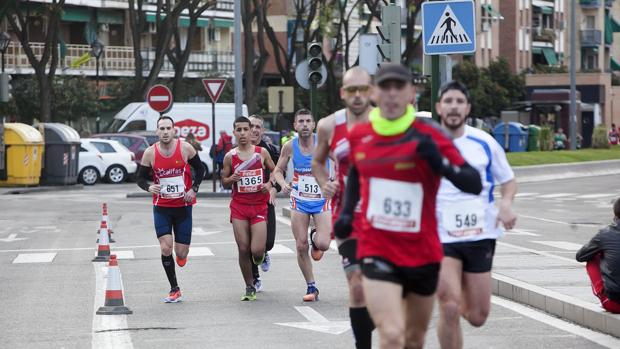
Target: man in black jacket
(602, 255)
(256, 137)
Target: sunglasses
(354, 89)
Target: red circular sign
(159, 98)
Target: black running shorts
(420, 280)
(477, 256)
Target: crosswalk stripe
(200, 252)
(281, 249)
(34, 258)
(564, 245)
(521, 195)
(124, 254)
(556, 195)
(594, 196)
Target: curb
(26, 190)
(583, 313)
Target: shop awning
(609, 31)
(614, 65)
(550, 56)
(615, 26)
(223, 23)
(76, 14)
(110, 17)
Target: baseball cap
(392, 71)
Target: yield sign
(214, 88)
(159, 98)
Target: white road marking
(317, 322)
(124, 247)
(521, 195)
(595, 196)
(564, 245)
(11, 238)
(555, 195)
(558, 222)
(542, 253)
(521, 232)
(201, 232)
(596, 337)
(34, 258)
(127, 254)
(280, 249)
(283, 220)
(200, 252)
(103, 338)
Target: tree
(254, 64)
(177, 55)
(166, 16)
(45, 66)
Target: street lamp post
(97, 50)
(5, 40)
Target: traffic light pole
(313, 107)
(435, 77)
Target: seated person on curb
(602, 255)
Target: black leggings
(271, 234)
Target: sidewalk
(553, 284)
(39, 189)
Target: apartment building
(85, 22)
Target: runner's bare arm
(144, 172)
(506, 215)
(228, 179)
(325, 129)
(280, 168)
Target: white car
(119, 161)
(91, 165)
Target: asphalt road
(50, 304)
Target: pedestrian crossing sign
(448, 27)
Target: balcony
(119, 61)
(591, 38)
(543, 35)
(590, 3)
(225, 5)
(609, 3)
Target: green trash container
(534, 139)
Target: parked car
(134, 142)
(90, 164)
(120, 161)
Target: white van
(188, 117)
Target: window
(143, 146)
(126, 141)
(136, 125)
(104, 147)
(590, 22)
(83, 150)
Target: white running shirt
(466, 217)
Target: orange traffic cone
(103, 246)
(114, 303)
(104, 217)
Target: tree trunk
(45, 97)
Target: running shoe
(266, 263)
(312, 295)
(174, 296)
(250, 294)
(314, 252)
(181, 262)
(258, 284)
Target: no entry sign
(159, 98)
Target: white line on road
(34, 258)
(128, 254)
(283, 220)
(280, 249)
(596, 337)
(200, 252)
(558, 222)
(595, 196)
(102, 337)
(521, 195)
(541, 253)
(124, 247)
(520, 232)
(555, 195)
(311, 314)
(317, 322)
(564, 245)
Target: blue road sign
(448, 27)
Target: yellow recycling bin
(24, 150)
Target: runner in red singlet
(174, 193)
(397, 162)
(244, 171)
(332, 142)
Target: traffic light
(315, 63)
(389, 30)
